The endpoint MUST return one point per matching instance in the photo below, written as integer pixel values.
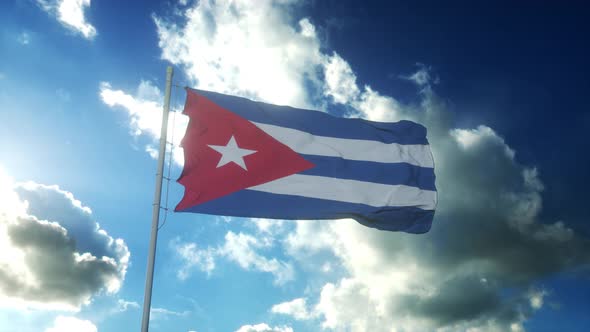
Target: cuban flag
(251, 159)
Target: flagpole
(149, 277)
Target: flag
(252, 159)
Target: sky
(501, 87)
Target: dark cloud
(480, 264)
(51, 203)
(450, 305)
(65, 257)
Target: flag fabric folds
(251, 159)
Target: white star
(231, 153)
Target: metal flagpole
(149, 277)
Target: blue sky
(500, 86)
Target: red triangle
(210, 124)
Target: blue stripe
(320, 123)
(255, 204)
(397, 173)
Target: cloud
(144, 110)
(191, 256)
(340, 80)
(123, 305)
(71, 324)
(296, 308)
(244, 48)
(53, 255)
(162, 313)
(268, 226)
(263, 327)
(422, 77)
(70, 13)
(241, 249)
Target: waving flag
(252, 159)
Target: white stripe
(351, 149)
(351, 191)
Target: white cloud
(70, 13)
(242, 249)
(349, 305)
(244, 48)
(162, 313)
(53, 255)
(71, 324)
(225, 219)
(309, 237)
(536, 298)
(268, 226)
(145, 109)
(340, 80)
(123, 305)
(191, 256)
(296, 308)
(263, 327)
(145, 114)
(373, 106)
(422, 77)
